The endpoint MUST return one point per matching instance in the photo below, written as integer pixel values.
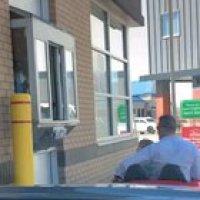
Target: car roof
(104, 192)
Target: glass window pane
(98, 24)
(120, 117)
(44, 97)
(116, 39)
(118, 78)
(176, 23)
(71, 88)
(102, 117)
(165, 25)
(100, 72)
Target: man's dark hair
(167, 122)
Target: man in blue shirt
(171, 149)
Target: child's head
(143, 143)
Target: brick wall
(74, 16)
(6, 89)
(99, 170)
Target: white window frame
(109, 94)
(167, 35)
(35, 31)
(178, 24)
(65, 104)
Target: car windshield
(84, 85)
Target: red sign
(192, 134)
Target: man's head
(166, 126)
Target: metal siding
(179, 41)
(188, 34)
(157, 35)
(163, 41)
(186, 47)
(167, 41)
(182, 37)
(194, 32)
(176, 42)
(198, 31)
(152, 36)
(161, 8)
(149, 33)
(155, 38)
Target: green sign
(190, 109)
(122, 113)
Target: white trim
(112, 96)
(108, 53)
(57, 123)
(166, 37)
(116, 138)
(66, 41)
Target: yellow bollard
(21, 117)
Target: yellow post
(22, 139)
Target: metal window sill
(58, 123)
(116, 139)
(168, 37)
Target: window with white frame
(56, 82)
(166, 25)
(110, 67)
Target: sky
(138, 49)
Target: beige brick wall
(75, 17)
(6, 89)
(99, 170)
